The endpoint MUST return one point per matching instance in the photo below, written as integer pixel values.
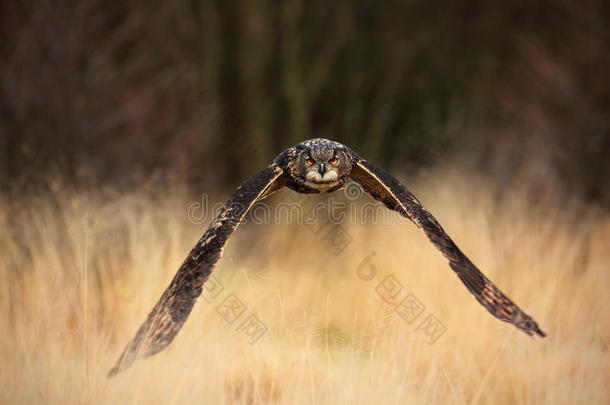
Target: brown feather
(387, 189)
(176, 303)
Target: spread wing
(386, 188)
(176, 303)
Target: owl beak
(322, 169)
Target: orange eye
(333, 161)
(310, 161)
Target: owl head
(319, 165)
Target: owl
(314, 166)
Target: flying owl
(314, 166)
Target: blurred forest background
(112, 93)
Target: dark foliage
(106, 92)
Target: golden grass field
(80, 271)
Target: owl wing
(386, 188)
(176, 303)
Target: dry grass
(78, 274)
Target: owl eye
(333, 161)
(310, 161)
